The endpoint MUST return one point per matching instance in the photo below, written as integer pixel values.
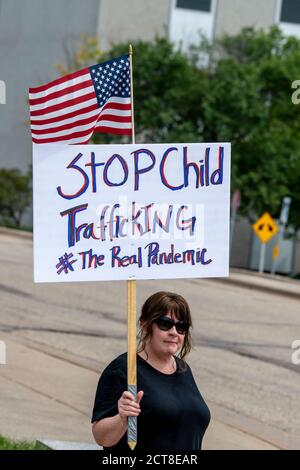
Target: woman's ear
(143, 328)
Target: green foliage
(9, 444)
(15, 195)
(168, 89)
(238, 90)
(250, 105)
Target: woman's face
(166, 342)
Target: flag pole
(131, 312)
(131, 93)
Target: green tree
(15, 195)
(249, 103)
(236, 90)
(169, 92)
(168, 89)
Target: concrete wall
(244, 250)
(34, 36)
(296, 263)
(124, 20)
(232, 15)
(241, 243)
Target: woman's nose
(173, 330)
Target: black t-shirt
(173, 415)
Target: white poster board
(143, 211)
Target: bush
(15, 195)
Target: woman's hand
(127, 405)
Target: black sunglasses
(166, 323)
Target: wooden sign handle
(131, 358)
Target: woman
(171, 413)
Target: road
(60, 336)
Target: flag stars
(111, 80)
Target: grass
(9, 444)
(296, 276)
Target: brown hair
(160, 304)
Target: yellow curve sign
(265, 227)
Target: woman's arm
(108, 431)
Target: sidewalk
(48, 397)
(274, 284)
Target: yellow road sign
(265, 227)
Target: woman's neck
(164, 363)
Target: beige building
(183, 20)
(35, 35)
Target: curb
(263, 288)
(247, 284)
(66, 445)
(16, 233)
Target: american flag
(72, 108)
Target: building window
(290, 11)
(201, 5)
(190, 20)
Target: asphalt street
(59, 337)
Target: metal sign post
(235, 203)
(262, 257)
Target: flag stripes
(71, 109)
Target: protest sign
(139, 211)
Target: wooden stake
(131, 359)
(131, 313)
